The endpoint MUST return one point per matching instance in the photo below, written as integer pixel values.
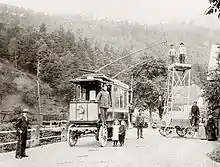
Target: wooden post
(63, 134)
(38, 85)
(35, 136)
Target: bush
(30, 97)
(215, 154)
(6, 82)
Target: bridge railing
(54, 123)
(38, 135)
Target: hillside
(132, 36)
(67, 43)
(21, 83)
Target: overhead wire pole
(129, 55)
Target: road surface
(152, 151)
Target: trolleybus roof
(99, 77)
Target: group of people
(181, 53)
(206, 130)
(206, 127)
(118, 133)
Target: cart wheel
(190, 132)
(73, 137)
(103, 135)
(169, 131)
(162, 131)
(181, 132)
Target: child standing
(122, 133)
(201, 132)
(115, 134)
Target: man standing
(160, 106)
(194, 114)
(21, 126)
(139, 124)
(172, 54)
(182, 53)
(104, 100)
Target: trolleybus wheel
(162, 131)
(181, 132)
(73, 137)
(169, 131)
(97, 137)
(190, 131)
(103, 135)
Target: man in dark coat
(139, 124)
(21, 126)
(104, 100)
(194, 114)
(160, 106)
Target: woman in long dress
(210, 129)
(202, 133)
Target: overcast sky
(144, 11)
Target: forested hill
(118, 34)
(66, 43)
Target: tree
(214, 8)
(211, 94)
(149, 79)
(43, 28)
(12, 49)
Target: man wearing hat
(182, 53)
(172, 54)
(104, 100)
(139, 122)
(21, 126)
(194, 114)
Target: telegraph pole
(38, 85)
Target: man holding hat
(194, 114)
(21, 126)
(182, 53)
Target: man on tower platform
(182, 53)
(172, 54)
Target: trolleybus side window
(121, 91)
(125, 98)
(116, 96)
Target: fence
(54, 123)
(38, 134)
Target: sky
(143, 11)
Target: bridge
(152, 151)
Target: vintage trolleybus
(84, 113)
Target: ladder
(178, 93)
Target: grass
(215, 154)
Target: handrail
(13, 131)
(41, 129)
